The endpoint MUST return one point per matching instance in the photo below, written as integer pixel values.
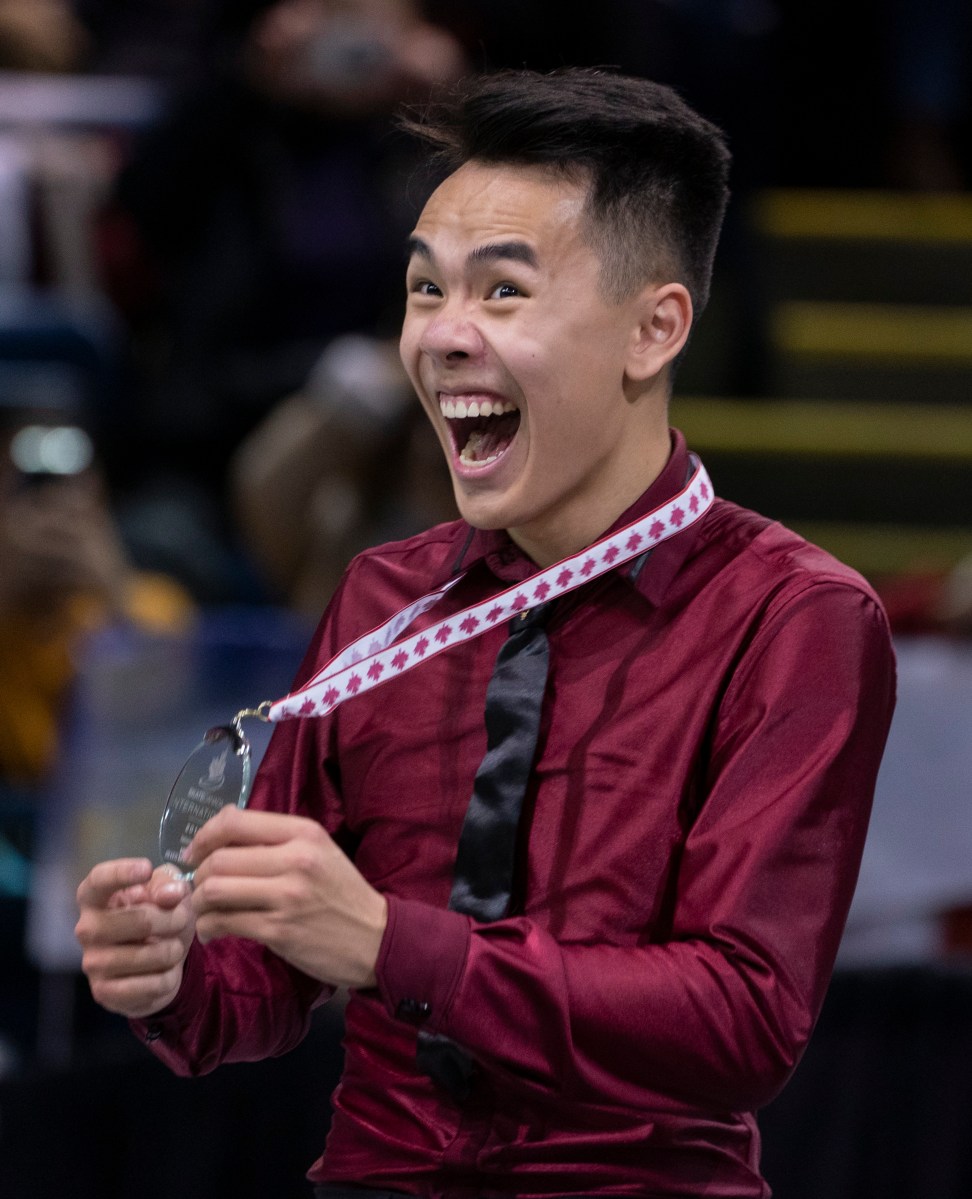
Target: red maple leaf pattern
(471, 623)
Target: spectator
(272, 210)
(345, 463)
(63, 571)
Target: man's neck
(570, 531)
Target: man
(609, 1017)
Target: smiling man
(548, 394)
(584, 870)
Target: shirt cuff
(421, 960)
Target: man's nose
(452, 334)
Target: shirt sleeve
(238, 1000)
(716, 1009)
(238, 1003)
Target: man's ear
(664, 320)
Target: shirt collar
(503, 557)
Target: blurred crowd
(203, 207)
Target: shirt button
(153, 1032)
(413, 1010)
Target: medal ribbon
(380, 655)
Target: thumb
(168, 888)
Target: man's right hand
(135, 928)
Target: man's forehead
(483, 203)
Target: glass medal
(217, 773)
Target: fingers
(281, 881)
(167, 887)
(137, 996)
(252, 868)
(138, 958)
(239, 827)
(108, 878)
(235, 907)
(135, 927)
(297, 856)
(235, 885)
(130, 925)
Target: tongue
(489, 440)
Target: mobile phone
(43, 453)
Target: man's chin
(480, 520)
(493, 501)
(483, 514)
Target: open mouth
(482, 429)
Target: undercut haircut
(657, 172)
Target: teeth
(477, 452)
(453, 409)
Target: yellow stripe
(889, 333)
(865, 216)
(889, 549)
(807, 428)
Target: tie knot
(531, 618)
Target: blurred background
(202, 417)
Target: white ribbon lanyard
(380, 655)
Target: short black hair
(657, 170)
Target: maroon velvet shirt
(711, 734)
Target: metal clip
(260, 712)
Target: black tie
(485, 860)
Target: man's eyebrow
(512, 251)
(419, 249)
(493, 252)
(496, 251)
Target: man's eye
(504, 291)
(424, 287)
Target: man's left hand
(282, 881)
